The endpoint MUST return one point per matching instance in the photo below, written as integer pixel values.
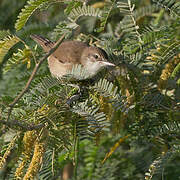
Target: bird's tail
(46, 44)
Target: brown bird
(70, 53)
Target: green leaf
(22, 56)
(6, 44)
(27, 11)
(170, 5)
(4, 34)
(176, 71)
(84, 11)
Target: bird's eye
(96, 56)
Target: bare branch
(24, 126)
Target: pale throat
(93, 67)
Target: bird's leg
(75, 94)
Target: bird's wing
(67, 52)
(70, 52)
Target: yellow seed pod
(158, 47)
(28, 141)
(8, 151)
(99, 5)
(166, 72)
(19, 170)
(36, 161)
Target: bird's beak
(105, 63)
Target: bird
(70, 53)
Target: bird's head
(94, 59)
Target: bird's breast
(57, 68)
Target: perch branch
(24, 126)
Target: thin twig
(131, 8)
(33, 75)
(24, 126)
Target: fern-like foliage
(105, 16)
(63, 27)
(27, 11)
(167, 50)
(158, 164)
(75, 11)
(149, 35)
(171, 128)
(84, 11)
(6, 44)
(145, 11)
(137, 99)
(46, 172)
(72, 5)
(176, 71)
(107, 89)
(94, 121)
(22, 56)
(4, 34)
(129, 24)
(48, 92)
(171, 5)
(34, 28)
(78, 72)
(39, 91)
